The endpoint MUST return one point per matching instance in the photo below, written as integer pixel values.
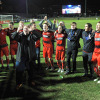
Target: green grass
(50, 86)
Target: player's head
(98, 26)
(88, 27)
(0, 26)
(31, 20)
(60, 29)
(61, 23)
(26, 30)
(11, 25)
(45, 27)
(21, 24)
(73, 25)
(33, 26)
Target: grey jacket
(31, 38)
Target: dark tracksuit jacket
(88, 48)
(73, 37)
(26, 54)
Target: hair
(21, 22)
(89, 25)
(32, 23)
(60, 26)
(74, 23)
(1, 25)
(98, 22)
(46, 24)
(11, 23)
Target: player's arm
(36, 35)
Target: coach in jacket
(25, 58)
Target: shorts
(96, 58)
(13, 49)
(47, 52)
(4, 51)
(60, 55)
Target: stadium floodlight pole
(85, 7)
(27, 7)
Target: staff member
(27, 54)
(88, 40)
(73, 36)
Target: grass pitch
(50, 85)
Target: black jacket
(88, 40)
(29, 42)
(73, 37)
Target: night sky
(47, 6)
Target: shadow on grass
(8, 86)
(42, 79)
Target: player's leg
(6, 53)
(68, 67)
(85, 62)
(13, 51)
(1, 58)
(62, 60)
(59, 65)
(47, 63)
(90, 64)
(50, 53)
(74, 55)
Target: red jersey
(37, 43)
(3, 35)
(12, 41)
(97, 42)
(48, 37)
(60, 39)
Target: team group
(51, 34)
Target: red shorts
(47, 52)
(13, 49)
(60, 55)
(4, 51)
(96, 58)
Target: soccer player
(13, 43)
(73, 36)
(96, 52)
(37, 43)
(88, 40)
(3, 47)
(48, 36)
(60, 48)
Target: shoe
(67, 71)
(62, 70)
(95, 80)
(98, 81)
(52, 68)
(48, 68)
(18, 86)
(59, 70)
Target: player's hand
(45, 18)
(98, 67)
(55, 33)
(19, 28)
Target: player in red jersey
(37, 43)
(3, 47)
(60, 48)
(96, 53)
(13, 43)
(48, 36)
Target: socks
(59, 64)
(1, 62)
(51, 62)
